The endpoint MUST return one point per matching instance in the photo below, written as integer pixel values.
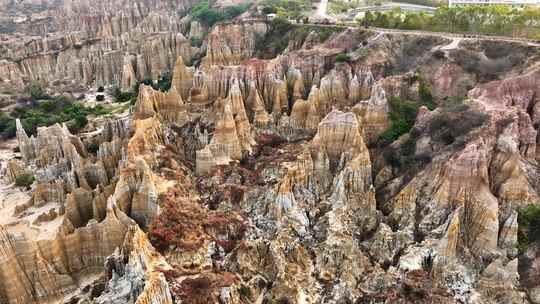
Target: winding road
(321, 13)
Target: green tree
(486, 20)
(24, 180)
(529, 226)
(36, 90)
(343, 58)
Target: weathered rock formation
(40, 271)
(266, 180)
(111, 42)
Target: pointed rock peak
(144, 107)
(261, 118)
(235, 99)
(234, 91)
(182, 79)
(21, 133)
(313, 94)
(339, 133)
(227, 120)
(253, 92)
(378, 95)
(179, 65)
(258, 99)
(174, 97)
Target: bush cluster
(294, 9)
(124, 96)
(529, 226)
(203, 13)
(7, 126)
(48, 112)
(455, 121)
(36, 91)
(196, 42)
(93, 148)
(24, 180)
(473, 19)
(403, 112)
(282, 31)
(163, 84)
(343, 58)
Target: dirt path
(12, 196)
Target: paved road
(455, 35)
(381, 31)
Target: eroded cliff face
(99, 43)
(262, 181)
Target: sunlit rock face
(42, 271)
(103, 43)
(232, 44)
(267, 180)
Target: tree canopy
(486, 20)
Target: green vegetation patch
(163, 84)
(403, 112)
(294, 9)
(282, 31)
(343, 58)
(501, 20)
(455, 121)
(208, 16)
(45, 113)
(24, 180)
(36, 91)
(529, 226)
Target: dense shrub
(196, 42)
(208, 16)
(36, 91)
(403, 157)
(269, 10)
(282, 31)
(294, 9)
(123, 96)
(164, 82)
(439, 54)
(57, 110)
(455, 121)
(93, 148)
(424, 92)
(24, 180)
(529, 226)
(488, 69)
(477, 19)
(403, 112)
(78, 123)
(343, 58)
(7, 126)
(402, 117)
